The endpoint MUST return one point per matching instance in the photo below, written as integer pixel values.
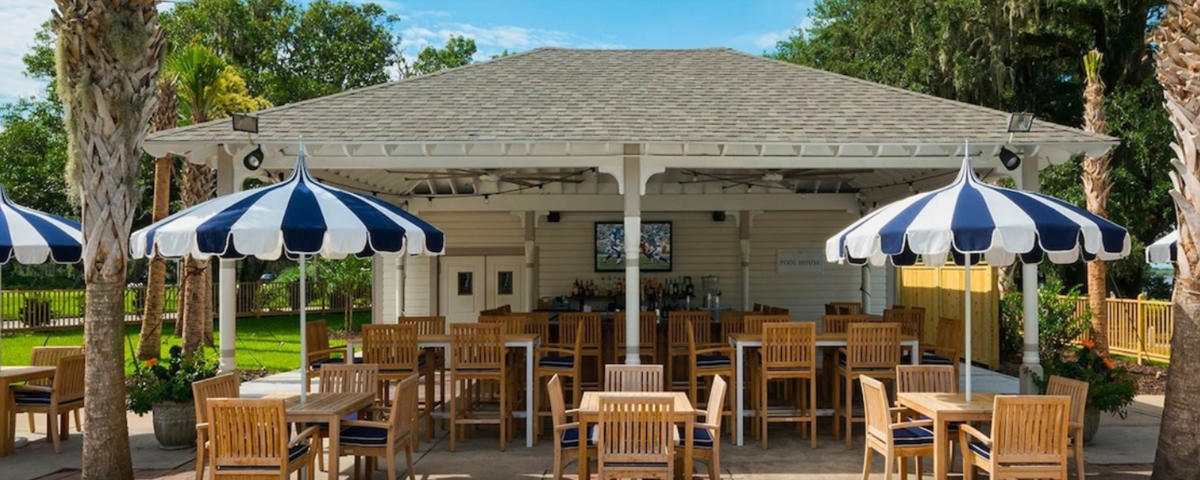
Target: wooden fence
(940, 291)
(29, 310)
(1138, 327)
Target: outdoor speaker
(554, 217)
(718, 216)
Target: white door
(505, 282)
(462, 285)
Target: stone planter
(1091, 423)
(174, 425)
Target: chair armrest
(719, 350)
(202, 427)
(327, 351)
(966, 430)
(364, 423)
(914, 423)
(566, 426)
(32, 388)
(707, 426)
(573, 411)
(568, 351)
(305, 434)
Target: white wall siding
(478, 229)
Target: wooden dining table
(943, 409)
(9, 375)
(685, 413)
(743, 341)
(328, 408)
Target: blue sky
(751, 26)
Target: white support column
(530, 221)
(633, 239)
(383, 289)
(227, 273)
(744, 241)
(401, 278)
(1030, 363)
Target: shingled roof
(702, 95)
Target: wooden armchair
(929, 378)
(636, 438)
(706, 436)
(352, 378)
(316, 337)
(1077, 391)
(633, 378)
(871, 349)
(894, 440)
(949, 346)
(48, 357)
(558, 361)
(220, 386)
(678, 338)
(708, 361)
(586, 325)
(789, 353)
(58, 401)
(478, 358)
(647, 336)
(249, 439)
(1028, 440)
(566, 434)
(384, 437)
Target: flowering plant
(1110, 387)
(152, 382)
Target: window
(504, 283)
(466, 282)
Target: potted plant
(1110, 387)
(166, 391)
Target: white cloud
(19, 21)
(769, 39)
(491, 40)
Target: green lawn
(270, 342)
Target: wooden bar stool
(708, 361)
(871, 349)
(435, 357)
(647, 337)
(587, 325)
(477, 357)
(678, 338)
(319, 352)
(789, 353)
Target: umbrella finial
(301, 169)
(965, 172)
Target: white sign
(795, 262)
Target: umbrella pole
(967, 320)
(303, 335)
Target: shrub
(152, 382)
(1110, 387)
(1059, 325)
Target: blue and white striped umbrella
(32, 237)
(1164, 250)
(297, 217)
(970, 221)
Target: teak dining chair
(894, 440)
(249, 439)
(220, 386)
(788, 353)
(478, 360)
(384, 437)
(562, 361)
(708, 361)
(706, 437)
(647, 337)
(320, 352)
(871, 348)
(1077, 391)
(678, 338)
(586, 325)
(633, 378)
(1028, 440)
(48, 357)
(635, 438)
(352, 378)
(566, 434)
(64, 395)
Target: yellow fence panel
(940, 291)
(1138, 327)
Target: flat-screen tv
(655, 247)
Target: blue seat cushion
(317, 364)
(712, 361)
(928, 358)
(701, 438)
(31, 397)
(364, 436)
(912, 436)
(294, 452)
(980, 449)
(559, 361)
(570, 437)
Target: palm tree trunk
(1097, 182)
(108, 57)
(1178, 38)
(196, 183)
(150, 340)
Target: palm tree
(108, 57)
(1097, 182)
(150, 340)
(1176, 39)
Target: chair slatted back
(789, 346)
(1076, 390)
(477, 346)
(753, 323)
(221, 386)
(636, 430)
(429, 325)
(316, 335)
(837, 323)
(950, 334)
(843, 308)
(647, 329)
(539, 324)
(391, 347)
(49, 357)
(926, 378)
(350, 378)
(405, 406)
(558, 409)
(733, 322)
(678, 323)
(633, 378)
(875, 406)
(68, 378)
(911, 320)
(247, 433)
(1030, 429)
(514, 323)
(873, 345)
(716, 397)
(586, 324)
